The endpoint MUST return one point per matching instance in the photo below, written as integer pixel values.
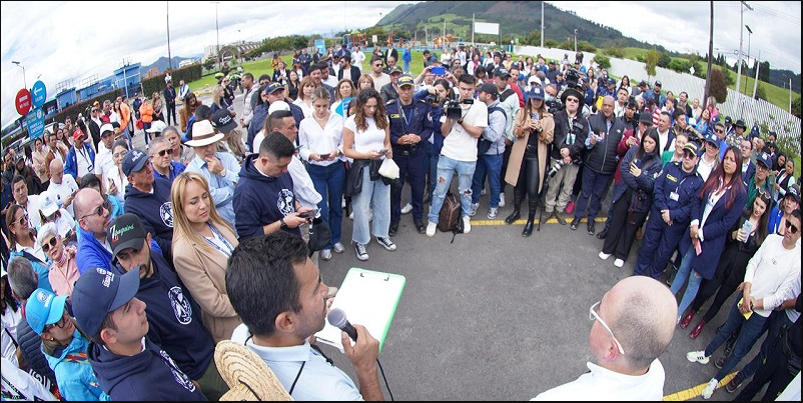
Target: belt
(408, 150)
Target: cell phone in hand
(438, 71)
(309, 214)
(324, 156)
(383, 151)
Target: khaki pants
(567, 174)
(212, 384)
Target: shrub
(603, 61)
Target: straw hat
(248, 377)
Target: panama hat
(248, 377)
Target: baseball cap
(20, 157)
(394, 70)
(98, 292)
(273, 87)
(764, 159)
(501, 72)
(658, 84)
(223, 122)
(611, 81)
(278, 106)
(107, 127)
(712, 138)
(126, 232)
(47, 205)
(203, 134)
(489, 88)
(44, 308)
(134, 161)
(157, 126)
(646, 118)
(77, 134)
(793, 191)
(534, 93)
(406, 80)
(691, 146)
(728, 120)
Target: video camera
(452, 106)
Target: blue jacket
(643, 185)
(719, 222)
(75, 377)
(408, 119)
(155, 211)
(175, 319)
(686, 187)
(434, 117)
(149, 375)
(41, 268)
(91, 253)
(71, 161)
(260, 200)
(748, 174)
(775, 220)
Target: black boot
(528, 227)
(515, 215)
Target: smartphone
(325, 156)
(438, 71)
(309, 214)
(383, 151)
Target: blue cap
(764, 159)
(44, 308)
(273, 87)
(611, 81)
(534, 93)
(712, 138)
(98, 292)
(134, 161)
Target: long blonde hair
(181, 225)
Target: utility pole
(749, 36)
(217, 33)
(542, 24)
(24, 81)
(741, 39)
(169, 56)
(710, 53)
(575, 41)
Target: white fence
(737, 106)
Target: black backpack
(449, 217)
(484, 145)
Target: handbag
(389, 169)
(319, 235)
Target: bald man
(94, 217)
(633, 325)
(62, 186)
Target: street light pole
(217, 33)
(19, 64)
(749, 36)
(742, 6)
(169, 55)
(575, 41)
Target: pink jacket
(62, 278)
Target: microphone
(337, 318)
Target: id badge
(674, 196)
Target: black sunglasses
(791, 227)
(49, 244)
(168, 151)
(99, 210)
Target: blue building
(128, 79)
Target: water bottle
(747, 227)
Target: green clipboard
(369, 298)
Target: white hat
(157, 126)
(107, 127)
(203, 134)
(48, 206)
(278, 106)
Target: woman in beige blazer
(202, 244)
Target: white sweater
(772, 272)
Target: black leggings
(624, 225)
(529, 176)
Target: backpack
(484, 145)
(449, 217)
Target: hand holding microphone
(364, 352)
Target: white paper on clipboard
(369, 298)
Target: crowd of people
(138, 261)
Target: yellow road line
(696, 391)
(522, 222)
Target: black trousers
(529, 176)
(171, 112)
(624, 225)
(773, 370)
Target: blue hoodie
(75, 378)
(260, 200)
(175, 319)
(149, 375)
(155, 211)
(92, 254)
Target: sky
(61, 41)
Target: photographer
(571, 130)
(435, 96)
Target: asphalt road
(495, 316)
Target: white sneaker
(473, 210)
(502, 199)
(386, 243)
(713, 384)
(407, 208)
(619, 263)
(343, 202)
(466, 224)
(483, 191)
(351, 215)
(604, 256)
(431, 227)
(697, 356)
(326, 254)
(492, 213)
(338, 248)
(362, 252)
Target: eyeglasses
(62, 323)
(49, 244)
(23, 219)
(572, 100)
(98, 211)
(592, 314)
(761, 167)
(791, 227)
(168, 151)
(719, 130)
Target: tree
(664, 60)
(650, 61)
(764, 72)
(727, 74)
(551, 43)
(719, 87)
(761, 92)
(796, 107)
(533, 38)
(603, 61)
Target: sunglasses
(61, 323)
(689, 155)
(719, 130)
(99, 210)
(168, 151)
(49, 245)
(791, 227)
(23, 219)
(572, 100)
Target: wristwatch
(223, 172)
(460, 121)
(283, 224)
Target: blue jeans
(329, 182)
(594, 186)
(374, 195)
(490, 165)
(685, 271)
(751, 330)
(446, 169)
(406, 67)
(777, 321)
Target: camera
(432, 99)
(555, 168)
(452, 106)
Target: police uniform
(674, 190)
(411, 158)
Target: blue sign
(343, 108)
(321, 46)
(39, 94)
(35, 121)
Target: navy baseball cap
(134, 161)
(98, 292)
(273, 87)
(501, 72)
(764, 159)
(406, 80)
(794, 192)
(611, 81)
(44, 308)
(712, 138)
(223, 121)
(534, 93)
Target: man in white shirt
(380, 78)
(183, 90)
(633, 325)
(103, 158)
(62, 186)
(357, 57)
(19, 190)
(459, 153)
(220, 169)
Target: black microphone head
(337, 318)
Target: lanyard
(407, 122)
(223, 240)
(570, 136)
